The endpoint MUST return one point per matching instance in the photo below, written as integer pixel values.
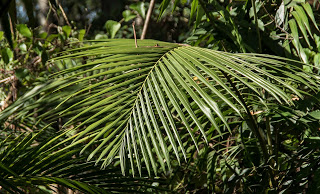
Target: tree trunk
(42, 15)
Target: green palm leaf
(139, 103)
(31, 163)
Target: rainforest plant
(169, 117)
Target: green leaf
(317, 41)
(164, 4)
(211, 168)
(128, 15)
(112, 27)
(303, 18)
(258, 6)
(200, 14)
(23, 47)
(315, 114)
(52, 37)
(24, 30)
(150, 103)
(296, 42)
(194, 7)
(140, 8)
(22, 74)
(43, 35)
(1, 35)
(26, 164)
(7, 55)
(101, 36)
(309, 11)
(162, 7)
(280, 14)
(82, 32)
(261, 25)
(66, 30)
(301, 26)
(316, 60)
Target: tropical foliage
(113, 115)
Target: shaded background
(92, 15)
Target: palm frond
(139, 103)
(30, 164)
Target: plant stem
(252, 124)
(146, 23)
(254, 127)
(269, 135)
(273, 163)
(63, 14)
(134, 34)
(256, 23)
(276, 131)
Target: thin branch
(8, 79)
(54, 13)
(87, 30)
(146, 23)
(273, 20)
(64, 15)
(134, 34)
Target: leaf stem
(269, 135)
(253, 125)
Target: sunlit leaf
(140, 8)
(24, 30)
(112, 27)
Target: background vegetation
(83, 110)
